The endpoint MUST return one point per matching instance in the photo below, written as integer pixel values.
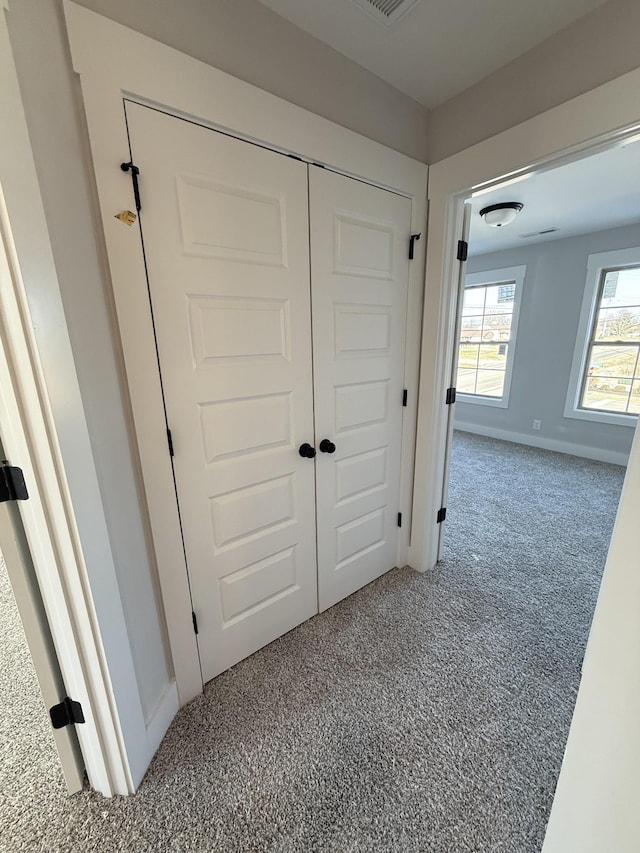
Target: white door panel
(24, 583)
(225, 226)
(359, 274)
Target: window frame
(490, 278)
(596, 265)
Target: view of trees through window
(611, 380)
(485, 332)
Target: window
(605, 378)
(506, 293)
(487, 335)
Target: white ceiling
(592, 194)
(440, 47)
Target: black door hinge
(442, 514)
(399, 519)
(135, 172)
(12, 485)
(170, 442)
(66, 713)
(463, 250)
(451, 396)
(412, 241)
(405, 396)
(194, 619)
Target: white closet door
(359, 275)
(225, 228)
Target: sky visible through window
(611, 378)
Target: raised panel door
(359, 278)
(225, 229)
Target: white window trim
(595, 265)
(486, 279)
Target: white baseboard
(597, 453)
(162, 716)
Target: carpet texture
(425, 713)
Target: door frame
(591, 122)
(173, 82)
(32, 441)
(38, 639)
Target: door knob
(306, 451)
(327, 446)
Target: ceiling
(439, 47)
(592, 194)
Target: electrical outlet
(537, 424)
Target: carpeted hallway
(425, 713)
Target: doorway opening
(546, 364)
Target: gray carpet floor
(425, 713)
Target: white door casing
(451, 410)
(359, 277)
(226, 241)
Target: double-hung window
(488, 325)
(605, 377)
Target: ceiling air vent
(386, 12)
(539, 233)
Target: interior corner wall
(552, 296)
(596, 48)
(51, 104)
(254, 44)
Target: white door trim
(28, 428)
(590, 122)
(168, 80)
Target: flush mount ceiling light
(501, 214)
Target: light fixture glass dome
(498, 215)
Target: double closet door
(278, 293)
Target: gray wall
(249, 41)
(595, 49)
(551, 301)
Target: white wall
(249, 41)
(595, 809)
(551, 301)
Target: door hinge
(442, 514)
(399, 519)
(194, 619)
(463, 250)
(12, 485)
(451, 396)
(405, 397)
(170, 442)
(135, 172)
(66, 713)
(412, 241)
